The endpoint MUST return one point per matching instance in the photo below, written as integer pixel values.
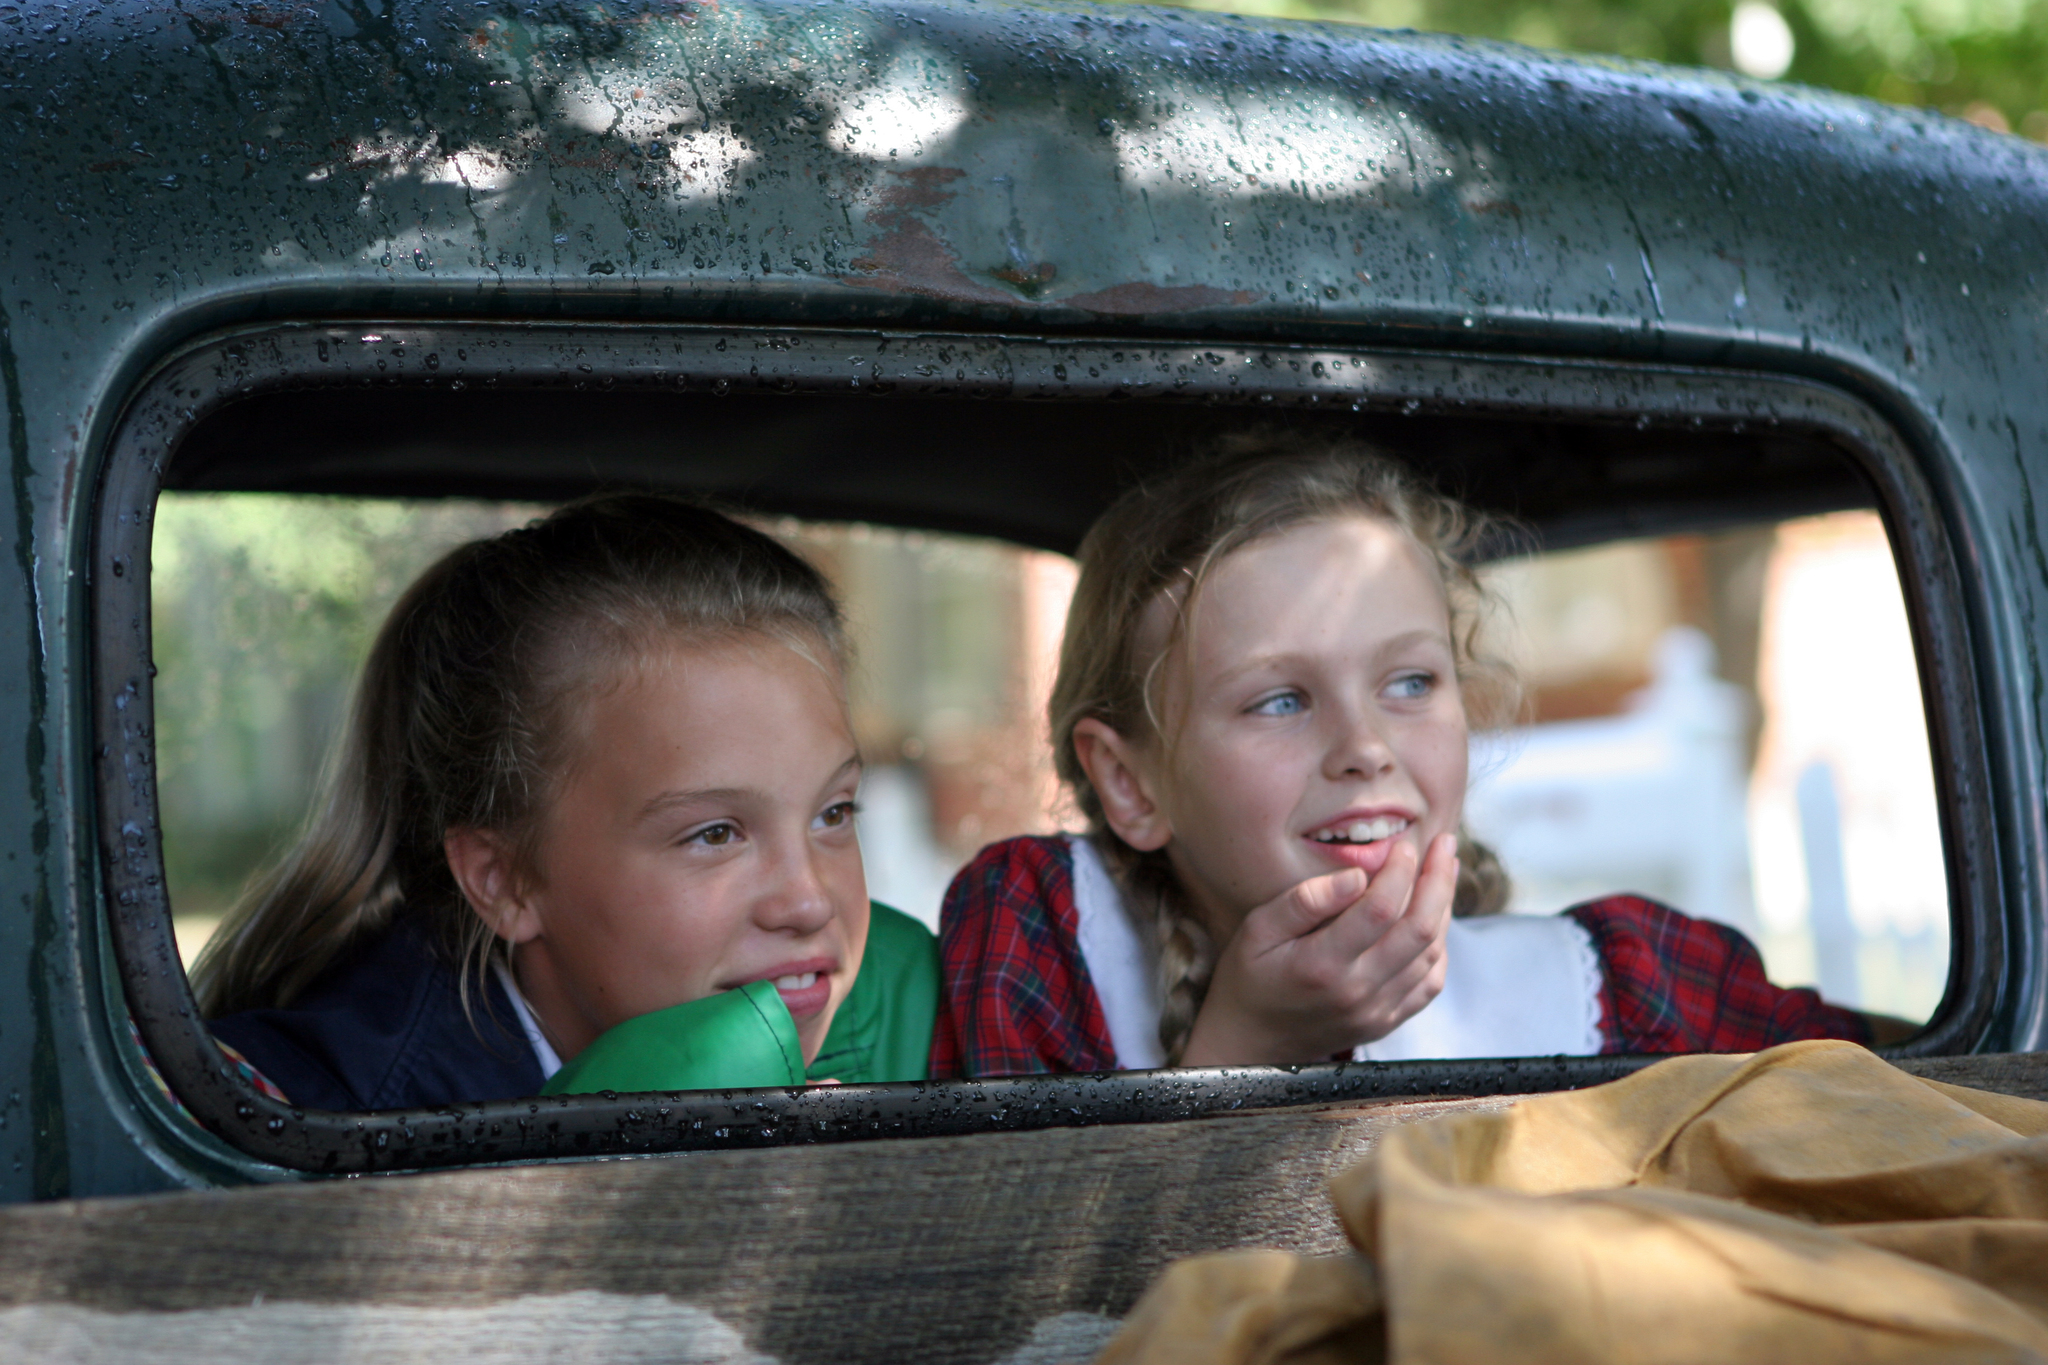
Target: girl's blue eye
(1281, 704)
(1412, 686)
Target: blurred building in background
(956, 642)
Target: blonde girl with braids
(1270, 669)
(591, 827)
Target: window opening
(1683, 476)
(1730, 722)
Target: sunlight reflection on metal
(1322, 147)
(920, 100)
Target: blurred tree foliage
(1985, 60)
(263, 607)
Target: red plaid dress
(1016, 998)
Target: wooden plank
(2010, 1073)
(940, 1249)
(966, 1249)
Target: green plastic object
(727, 1041)
(745, 1038)
(883, 1031)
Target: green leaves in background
(263, 608)
(1985, 60)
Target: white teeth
(1364, 831)
(796, 983)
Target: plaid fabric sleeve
(1672, 983)
(264, 1085)
(1015, 997)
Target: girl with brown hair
(1270, 667)
(591, 827)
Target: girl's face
(702, 839)
(1314, 715)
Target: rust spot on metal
(1033, 281)
(921, 187)
(1139, 297)
(906, 256)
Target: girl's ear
(1122, 783)
(484, 868)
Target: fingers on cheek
(1420, 998)
(1421, 971)
(1307, 900)
(1424, 983)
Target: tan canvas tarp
(1811, 1203)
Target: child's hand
(1332, 963)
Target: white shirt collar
(543, 1050)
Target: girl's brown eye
(717, 835)
(835, 816)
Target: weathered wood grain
(940, 1249)
(944, 1249)
(2010, 1073)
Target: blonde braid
(1186, 954)
(1483, 885)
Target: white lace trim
(1514, 986)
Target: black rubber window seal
(212, 374)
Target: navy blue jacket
(385, 1029)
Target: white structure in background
(1654, 801)
(1845, 828)
(1835, 946)
(1828, 855)
(905, 866)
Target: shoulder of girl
(899, 968)
(1027, 858)
(883, 1031)
(1664, 930)
(1035, 849)
(896, 934)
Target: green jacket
(743, 1038)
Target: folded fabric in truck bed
(1811, 1202)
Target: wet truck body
(966, 267)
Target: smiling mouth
(1363, 831)
(807, 992)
